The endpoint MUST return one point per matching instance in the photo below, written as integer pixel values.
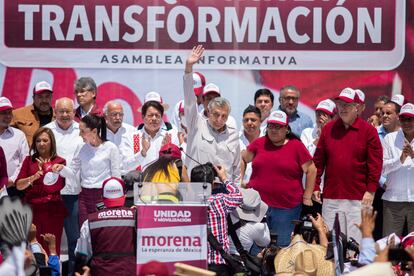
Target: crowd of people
(280, 167)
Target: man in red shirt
(350, 153)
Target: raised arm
(194, 57)
(190, 100)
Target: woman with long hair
(96, 160)
(41, 187)
(279, 160)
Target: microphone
(198, 163)
(191, 158)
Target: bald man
(123, 135)
(66, 132)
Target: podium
(172, 223)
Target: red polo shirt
(277, 171)
(351, 158)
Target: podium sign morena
(172, 233)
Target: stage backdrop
(133, 47)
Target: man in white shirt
(263, 99)
(123, 135)
(66, 132)
(14, 143)
(248, 222)
(155, 132)
(210, 92)
(251, 131)
(212, 139)
(398, 198)
(324, 113)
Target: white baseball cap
(349, 95)
(407, 110)
(5, 104)
(327, 106)
(278, 117)
(156, 97)
(41, 87)
(361, 95)
(211, 88)
(113, 192)
(398, 99)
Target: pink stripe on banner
(171, 269)
(152, 216)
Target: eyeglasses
(288, 99)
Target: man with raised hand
(211, 139)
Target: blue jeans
(71, 225)
(280, 221)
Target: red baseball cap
(170, 150)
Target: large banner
(249, 34)
(133, 47)
(170, 234)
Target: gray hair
(288, 87)
(219, 102)
(106, 106)
(85, 83)
(58, 101)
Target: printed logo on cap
(113, 189)
(327, 106)
(349, 95)
(407, 110)
(398, 99)
(278, 117)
